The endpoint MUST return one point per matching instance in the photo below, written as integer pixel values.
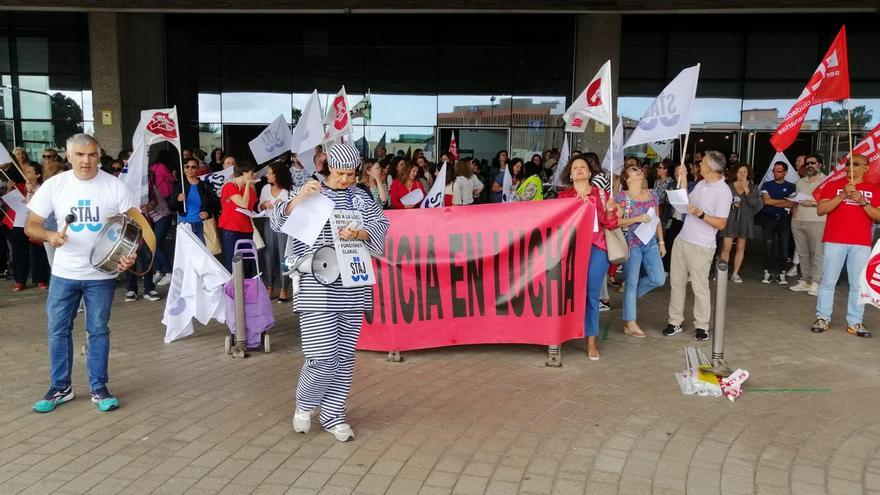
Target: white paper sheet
(308, 218)
(678, 198)
(413, 197)
(801, 197)
(646, 231)
(253, 214)
(16, 202)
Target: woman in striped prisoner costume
(331, 317)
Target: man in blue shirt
(776, 222)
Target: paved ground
(477, 419)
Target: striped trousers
(328, 342)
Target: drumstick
(69, 219)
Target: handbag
(212, 237)
(618, 248)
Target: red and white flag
(338, 119)
(870, 147)
(154, 127)
(453, 147)
(593, 103)
(830, 82)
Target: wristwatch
(702, 215)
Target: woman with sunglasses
(200, 201)
(636, 202)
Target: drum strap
(146, 234)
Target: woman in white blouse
(466, 186)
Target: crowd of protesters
(800, 237)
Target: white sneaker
(735, 278)
(781, 278)
(766, 279)
(165, 280)
(342, 432)
(302, 421)
(157, 276)
(792, 272)
(814, 289)
(801, 286)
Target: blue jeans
(160, 228)
(856, 258)
(595, 277)
(61, 305)
(637, 285)
(198, 229)
(228, 238)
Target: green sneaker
(105, 400)
(52, 398)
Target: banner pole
(6, 175)
(683, 151)
(182, 174)
(849, 128)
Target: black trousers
(777, 232)
(21, 255)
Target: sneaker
(604, 306)
(781, 279)
(793, 271)
(131, 296)
(700, 334)
(735, 278)
(671, 330)
(105, 400)
(164, 280)
(302, 421)
(157, 277)
(814, 289)
(820, 325)
(152, 296)
(19, 287)
(859, 330)
(801, 286)
(52, 398)
(342, 432)
(43, 285)
(766, 279)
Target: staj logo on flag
(162, 124)
(829, 82)
(662, 111)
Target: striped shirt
(335, 298)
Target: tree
(296, 113)
(861, 117)
(67, 116)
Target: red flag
(870, 147)
(830, 82)
(453, 147)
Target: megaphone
(321, 264)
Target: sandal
(633, 330)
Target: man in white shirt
(694, 248)
(807, 228)
(91, 196)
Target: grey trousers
(808, 244)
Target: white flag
(617, 140)
(507, 186)
(154, 127)
(663, 148)
(5, 157)
(274, 140)
(308, 133)
(791, 175)
(196, 289)
(338, 119)
(434, 199)
(564, 155)
(869, 280)
(593, 103)
(670, 115)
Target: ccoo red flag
(870, 148)
(453, 147)
(830, 82)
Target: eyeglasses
(47, 156)
(811, 162)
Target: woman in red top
(577, 173)
(405, 184)
(238, 192)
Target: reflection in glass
(34, 97)
(768, 114)
(37, 136)
(865, 114)
(7, 136)
(209, 107)
(4, 54)
(254, 108)
(400, 139)
(473, 110)
(391, 109)
(525, 142)
(708, 113)
(6, 97)
(33, 54)
(538, 111)
(210, 135)
(88, 109)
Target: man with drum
(91, 196)
(331, 316)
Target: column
(106, 90)
(597, 40)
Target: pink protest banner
(500, 273)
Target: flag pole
(849, 128)
(183, 180)
(683, 151)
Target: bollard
(719, 367)
(239, 349)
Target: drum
(119, 237)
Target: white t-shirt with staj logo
(92, 202)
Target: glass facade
(423, 74)
(46, 84)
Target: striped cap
(344, 156)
